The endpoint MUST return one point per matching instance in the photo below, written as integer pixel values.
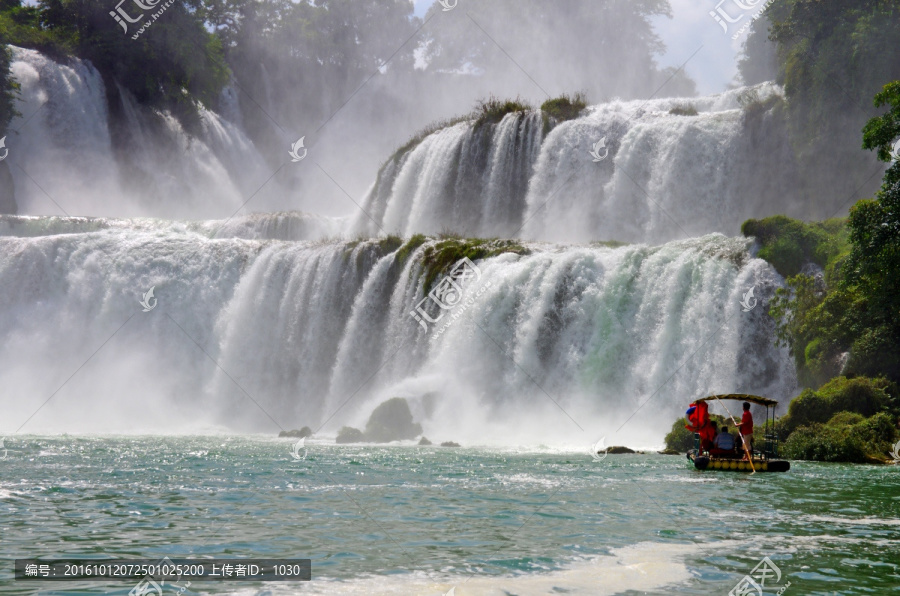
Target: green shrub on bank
(754, 106)
(819, 442)
(846, 419)
(789, 243)
(847, 437)
(565, 107)
(863, 396)
(877, 434)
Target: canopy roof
(753, 399)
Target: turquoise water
(403, 519)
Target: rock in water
(297, 434)
(449, 444)
(619, 449)
(392, 421)
(349, 434)
(424, 441)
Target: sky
(691, 27)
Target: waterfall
(667, 175)
(317, 332)
(469, 179)
(63, 155)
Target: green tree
(855, 309)
(172, 65)
(832, 56)
(9, 88)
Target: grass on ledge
(684, 109)
(439, 257)
(565, 107)
(493, 109)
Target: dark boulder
(449, 444)
(618, 450)
(392, 421)
(350, 435)
(424, 441)
(297, 434)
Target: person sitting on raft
(724, 443)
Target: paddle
(743, 442)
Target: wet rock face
(392, 421)
(350, 435)
(7, 190)
(297, 434)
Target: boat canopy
(753, 399)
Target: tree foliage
(172, 65)
(831, 56)
(847, 321)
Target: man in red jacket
(747, 427)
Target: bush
(860, 395)
(877, 433)
(493, 109)
(684, 110)
(818, 442)
(788, 243)
(845, 419)
(565, 107)
(754, 106)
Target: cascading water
(63, 150)
(310, 330)
(667, 175)
(469, 179)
